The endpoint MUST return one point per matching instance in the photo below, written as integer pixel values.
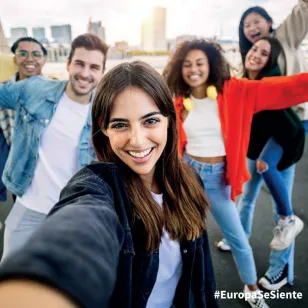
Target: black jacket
(287, 130)
(89, 250)
(284, 126)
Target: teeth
(194, 77)
(83, 82)
(30, 66)
(139, 154)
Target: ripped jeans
(271, 156)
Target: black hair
(271, 68)
(28, 39)
(244, 43)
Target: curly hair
(219, 70)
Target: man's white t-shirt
(169, 270)
(57, 155)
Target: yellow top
(7, 66)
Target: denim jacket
(89, 249)
(35, 100)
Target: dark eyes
(118, 125)
(189, 65)
(147, 122)
(152, 121)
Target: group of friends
(130, 228)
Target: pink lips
(141, 160)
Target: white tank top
(203, 129)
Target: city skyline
(122, 19)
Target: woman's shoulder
(93, 172)
(99, 184)
(91, 178)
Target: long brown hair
(185, 204)
(219, 68)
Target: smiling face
(256, 27)
(137, 131)
(85, 71)
(196, 69)
(29, 59)
(258, 56)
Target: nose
(256, 55)
(30, 57)
(193, 68)
(85, 72)
(137, 137)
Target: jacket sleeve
(210, 284)
(281, 92)
(294, 29)
(9, 94)
(76, 249)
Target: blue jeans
(19, 226)
(4, 152)
(226, 215)
(246, 207)
(271, 156)
(305, 123)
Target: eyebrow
(200, 59)
(143, 117)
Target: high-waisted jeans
(227, 217)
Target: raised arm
(75, 251)
(294, 29)
(9, 94)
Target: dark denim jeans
(305, 123)
(4, 152)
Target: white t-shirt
(57, 155)
(169, 270)
(203, 129)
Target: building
(97, 29)
(121, 45)
(62, 34)
(153, 31)
(57, 52)
(17, 33)
(182, 38)
(39, 34)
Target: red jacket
(237, 103)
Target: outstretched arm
(31, 294)
(281, 92)
(75, 251)
(9, 94)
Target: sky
(122, 18)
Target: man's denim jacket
(35, 100)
